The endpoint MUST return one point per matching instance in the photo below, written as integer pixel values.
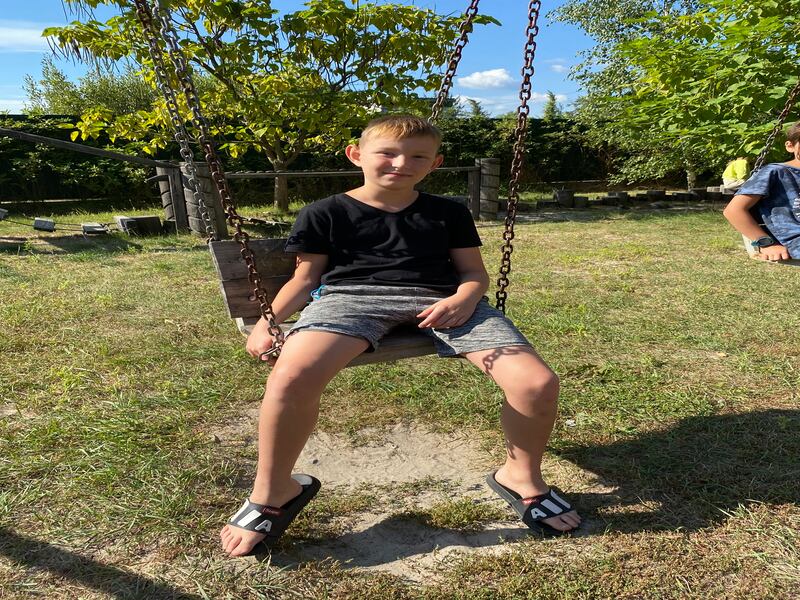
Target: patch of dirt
(381, 538)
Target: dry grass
(678, 362)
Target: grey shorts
(370, 312)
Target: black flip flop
(273, 521)
(535, 509)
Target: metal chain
(216, 170)
(455, 58)
(181, 136)
(778, 126)
(523, 110)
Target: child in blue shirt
(773, 193)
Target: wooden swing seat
(275, 268)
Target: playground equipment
(260, 264)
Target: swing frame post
(489, 188)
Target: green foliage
(552, 109)
(35, 171)
(688, 87)
(284, 84)
(55, 94)
(610, 80)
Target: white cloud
(11, 105)
(494, 78)
(557, 65)
(22, 36)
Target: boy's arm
(292, 297)
(456, 309)
(738, 214)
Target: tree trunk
(281, 201)
(691, 179)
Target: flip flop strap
(256, 517)
(544, 506)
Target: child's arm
(738, 214)
(292, 297)
(456, 309)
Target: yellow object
(736, 169)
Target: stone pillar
(490, 188)
(210, 199)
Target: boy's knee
(541, 392)
(286, 377)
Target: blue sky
(489, 70)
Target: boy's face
(395, 164)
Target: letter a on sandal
(535, 509)
(273, 521)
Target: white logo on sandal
(538, 514)
(264, 526)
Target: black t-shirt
(369, 246)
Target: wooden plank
(271, 260)
(399, 344)
(274, 266)
(305, 174)
(238, 295)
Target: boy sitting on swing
(373, 258)
(774, 191)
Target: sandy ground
(448, 467)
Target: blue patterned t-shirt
(779, 207)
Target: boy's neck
(388, 200)
(795, 162)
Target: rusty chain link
(523, 110)
(182, 72)
(790, 101)
(181, 136)
(455, 58)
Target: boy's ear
(353, 154)
(437, 162)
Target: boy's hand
(773, 253)
(260, 341)
(448, 312)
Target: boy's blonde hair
(793, 133)
(400, 127)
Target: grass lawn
(678, 436)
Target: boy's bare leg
(527, 416)
(289, 411)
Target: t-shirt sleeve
(310, 232)
(758, 184)
(461, 228)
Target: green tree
(283, 84)
(552, 109)
(611, 80)
(119, 93)
(714, 81)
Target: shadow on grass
(60, 563)
(391, 539)
(692, 475)
(66, 244)
(685, 478)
